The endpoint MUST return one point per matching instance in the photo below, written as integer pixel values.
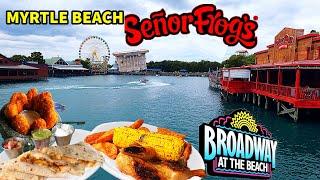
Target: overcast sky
(64, 41)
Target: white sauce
(61, 132)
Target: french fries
(138, 123)
(107, 148)
(186, 152)
(93, 137)
(144, 129)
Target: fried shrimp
(51, 118)
(17, 102)
(39, 124)
(33, 92)
(39, 111)
(23, 121)
(11, 110)
(30, 95)
(21, 124)
(43, 103)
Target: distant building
(60, 68)
(114, 69)
(131, 61)
(242, 53)
(183, 72)
(15, 71)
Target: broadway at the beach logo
(235, 145)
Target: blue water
(178, 103)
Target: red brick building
(291, 45)
(15, 71)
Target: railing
(309, 93)
(287, 91)
(305, 93)
(275, 89)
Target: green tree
(238, 61)
(171, 66)
(19, 58)
(37, 57)
(86, 63)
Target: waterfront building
(242, 53)
(114, 69)
(183, 72)
(286, 73)
(131, 61)
(16, 71)
(58, 67)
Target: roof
(263, 51)
(130, 52)
(53, 60)
(242, 51)
(316, 38)
(271, 45)
(303, 63)
(307, 36)
(70, 67)
(22, 66)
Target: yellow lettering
(96, 18)
(12, 17)
(106, 17)
(34, 18)
(63, 17)
(76, 17)
(24, 17)
(117, 17)
(52, 18)
(86, 15)
(44, 16)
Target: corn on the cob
(167, 147)
(125, 136)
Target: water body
(178, 103)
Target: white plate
(195, 161)
(78, 136)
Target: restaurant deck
(287, 73)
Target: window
(308, 52)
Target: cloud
(65, 40)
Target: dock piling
(266, 103)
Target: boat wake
(129, 85)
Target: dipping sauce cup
(41, 138)
(63, 133)
(13, 146)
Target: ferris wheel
(95, 49)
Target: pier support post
(248, 97)
(296, 115)
(266, 103)
(253, 98)
(259, 100)
(244, 97)
(292, 112)
(278, 107)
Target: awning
(23, 67)
(70, 68)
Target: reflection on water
(177, 103)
